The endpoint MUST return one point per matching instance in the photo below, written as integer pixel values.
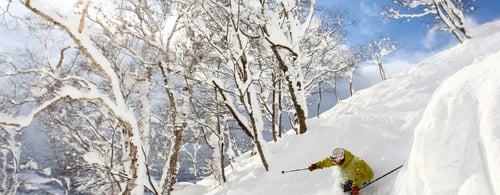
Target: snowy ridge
(439, 119)
(461, 120)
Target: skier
(355, 171)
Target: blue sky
(416, 41)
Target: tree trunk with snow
(284, 39)
(251, 129)
(240, 96)
(294, 88)
(10, 150)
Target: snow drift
(440, 119)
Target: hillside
(439, 119)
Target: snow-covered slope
(441, 119)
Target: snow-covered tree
(10, 152)
(123, 59)
(237, 85)
(148, 34)
(91, 143)
(284, 32)
(113, 72)
(377, 50)
(450, 13)
(353, 62)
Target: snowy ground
(441, 119)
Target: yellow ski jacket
(353, 168)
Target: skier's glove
(354, 190)
(312, 167)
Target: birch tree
(353, 62)
(309, 52)
(10, 149)
(148, 32)
(93, 153)
(449, 13)
(103, 85)
(376, 51)
(284, 37)
(239, 92)
(215, 121)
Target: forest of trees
(129, 91)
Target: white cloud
(430, 39)
(366, 75)
(397, 65)
(369, 23)
(371, 10)
(470, 22)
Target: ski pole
(294, 170)
(381, 177)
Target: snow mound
(456, 146)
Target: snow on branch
(19, 122)
(448, 12)
(84, 43)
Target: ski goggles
(336, 161)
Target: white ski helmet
(337, 154)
